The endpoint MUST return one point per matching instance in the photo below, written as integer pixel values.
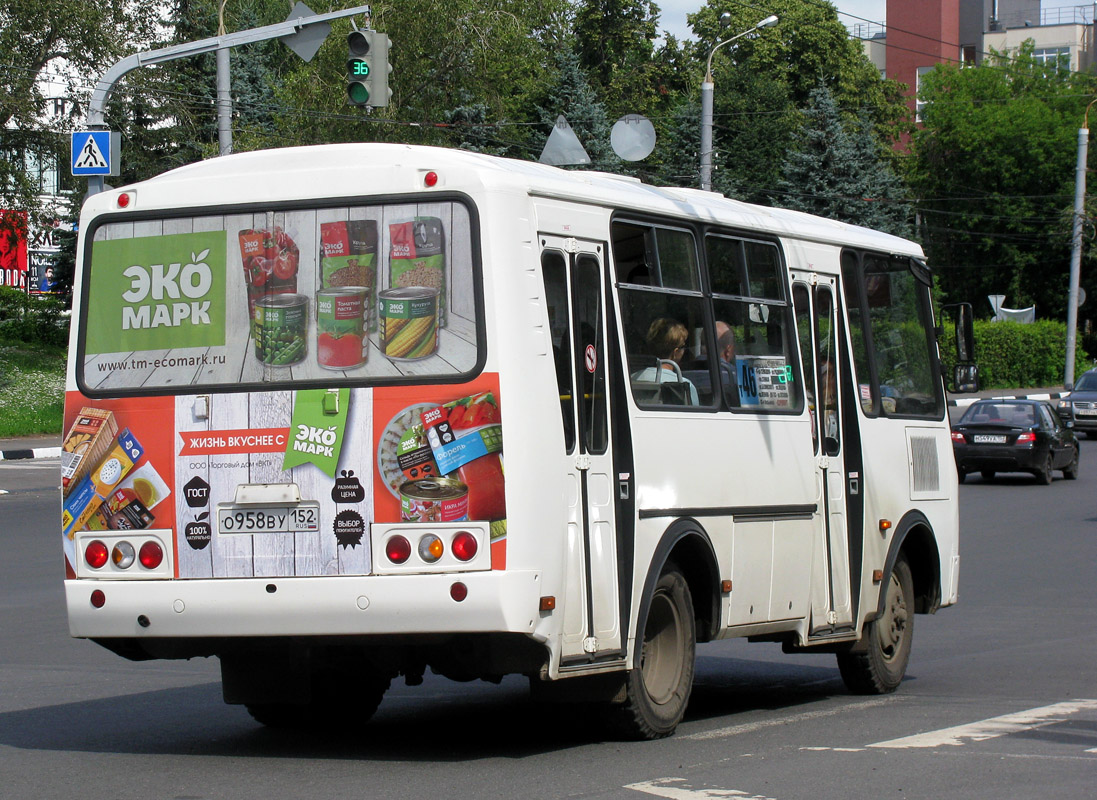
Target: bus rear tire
(880, 667)
(657, 691)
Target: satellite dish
(632, 137)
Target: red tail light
(96, 554)
(464, 546)
(151, 555)
(397, 548)
(958, 437)
(1026, 438)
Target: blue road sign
(93, 153)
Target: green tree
(54, 49)
(762, 80)
(574, 97)
(994, 165)
(615, 40)
(841, 174)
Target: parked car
(1014, 436)
(1080, 405)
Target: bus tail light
(464, 546)
(398, 549)
(430, 548)
(123, 555)
(96, 554)
(151, 555)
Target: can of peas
(281, 325)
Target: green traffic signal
(368, 68)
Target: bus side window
(554, 269)
(668, 342)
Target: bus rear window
(374, 294)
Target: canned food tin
(340, 324)
(409, 323)
(434, 500)
(281, 322)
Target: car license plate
(988, 438)
(269, 519)
(1086, 412)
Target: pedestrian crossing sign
(95, 153)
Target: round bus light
(96, 554)
(430, 179)
(431, 548)
(123, 200)
(98, 599)
(458, 591)
(464, 546)
(123, 555)
(151, 555)
(397, 549)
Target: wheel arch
(914, 539)
(686, 543)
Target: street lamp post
(1076, 248)
(706, 103)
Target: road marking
(750, 727)
(660, 788)
(993, 727)
(835, 749)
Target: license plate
(1086, 412)
(298, 518)
(988, 438)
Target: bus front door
(814, 297)
(575, 288)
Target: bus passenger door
(575, 289)
(824, 359)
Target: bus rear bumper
(496, 601)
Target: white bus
(293, 373)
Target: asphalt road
(1000, 700)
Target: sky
(672, 17)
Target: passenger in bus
(725, 349)
(829, 379)
(666, 340)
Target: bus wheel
(879, 668)
(330, 711)
(657, 692)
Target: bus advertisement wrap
(186, 477)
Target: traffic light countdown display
(368, 68)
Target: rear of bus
(282, 430)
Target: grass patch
(32, 389)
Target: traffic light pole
(102, 91)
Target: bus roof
(324, 171)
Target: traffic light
(368, 68)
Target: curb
(35, 452)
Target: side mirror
(965, 378)
(965, 333)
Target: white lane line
(750, 727)
(834, 749)
(993, 727)
(660, 788)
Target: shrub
(1014, 355)
(42, 319)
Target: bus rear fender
(686, 544)
(914, 538)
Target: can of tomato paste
(409, 323)
(434, 500)
(340, 328)
(280, 325)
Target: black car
(1081, 404)
(1014, 436)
